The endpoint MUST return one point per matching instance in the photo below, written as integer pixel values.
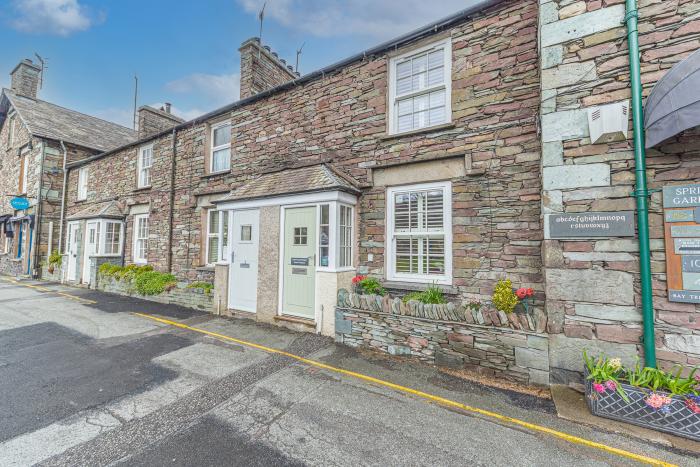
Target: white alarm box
(609, 123)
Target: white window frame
(103, 238)
(391, 236)
(144, 171)
(83, 175)
(351, 237)
(11, 131)
(213, 148)
(25, 173)
(446, 85)
(224, 218)
(135, 248)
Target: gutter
(63, 197)
(395, 43)
(641, 193)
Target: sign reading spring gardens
(682, 239)
(592, 224)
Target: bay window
(113, 240)
(420, 88)
(419, 230)
(140, 253)
(217, 236)
(220, 160)
(335, 236)
(345, 234)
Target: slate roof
(313, 178)
(106, 210)
(47, 120)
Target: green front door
(299, 262)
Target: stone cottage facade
(37, 140)
(446, 157)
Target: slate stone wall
(180, 295)
(505, 353)
(592, 286)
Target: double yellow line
(45, 289)
(423, 395)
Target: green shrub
(153, 282)
(504, 299)
(109, 269)
(371, 286)
(55, 259)
(206, 286)
(432, 295)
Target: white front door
(92, 240)
(299, 268)
(72, 250)
(243, 269)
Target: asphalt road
(84, 381)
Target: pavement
(95, 379)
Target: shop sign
(680, 215)
(592, 224)
(19, 203)
(686, 246)
(690, 263)
(682, 236)
(682, 196)
(685, 231)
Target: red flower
(530, 292)
(521, 293)
(358, 279)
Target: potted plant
(647, 397)
(365, 285)
(55, 259)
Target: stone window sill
(215, 174)
(422, 131)
(418, 287)
(143, 188)
(206, 268)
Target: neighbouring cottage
(37, 140)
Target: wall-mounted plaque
(591, 224)
(680, 215)
(300, 261)
(682, 236)
(682, 196)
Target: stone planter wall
(180, 295)
(442, 336)
(51, 277)
(10, 266)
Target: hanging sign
(682, 238)
(19, 203)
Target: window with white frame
(217, 236)
(141, 239)
(82, 183)
(345, 234)
(220, 160)
(420, 88)
(419, 228)
(24, 174)
(11, 131)
(113, 234)
(144, 164)
(324, 236)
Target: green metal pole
(641, 193)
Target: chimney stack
(261, 68)
(152, 120)
(168, 106)
(25, 79)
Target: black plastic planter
(676, 418)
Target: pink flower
(657, 401)
(521, 293)
(599, 388)
(696, 376)
(530, 292)
(692, 406)
(610, 384)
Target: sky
(184, 51)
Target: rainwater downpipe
(641, 193)
(63, 198)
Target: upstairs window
(11, 131)
(82, 183)
(220, 160)
(145, 163)
(420, 232)
(420, 88)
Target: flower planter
(675, 418)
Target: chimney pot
(267, 47)
(168, 107)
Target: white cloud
(377, 19)
(215, 89)
(118, 115)
(186, 114)
(56, 17)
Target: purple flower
(599, 388)
(610, 384)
